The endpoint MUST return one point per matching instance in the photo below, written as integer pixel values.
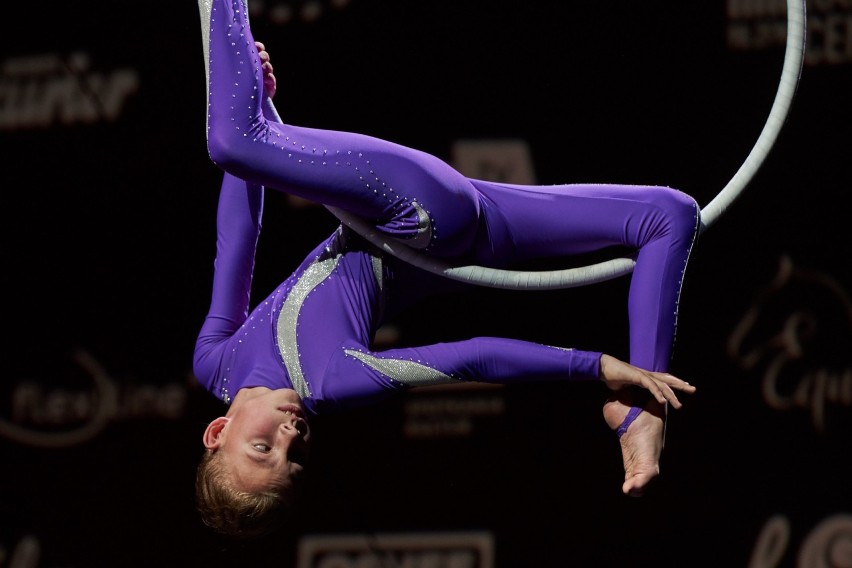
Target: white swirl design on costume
(288, 320)
(409, 373)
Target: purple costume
(314, 332)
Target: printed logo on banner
(434, 412)
(285, 11)
(798, 332)
(58, 417)
(43, 91)
(506, 161)
(758, 25)
(828, 544)
(450, 550)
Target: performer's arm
(482, 359)
(238, 222)
(503, 361)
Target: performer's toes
(635, 484)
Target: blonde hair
(233, 512)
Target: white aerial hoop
(607, 270)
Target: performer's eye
(263, 448)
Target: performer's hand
(269, 83)
(616, 374)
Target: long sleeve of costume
(481, 359)
(238, 224)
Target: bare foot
(641, 444)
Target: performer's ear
(213, 434)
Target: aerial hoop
(607, 270)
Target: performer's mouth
(292, 409)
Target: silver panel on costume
(287, 332)
(409, 373)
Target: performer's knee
(685, 214)
(681, 212)
(227, 147)
(220, 147)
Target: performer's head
(254, 458)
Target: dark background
(108, 231)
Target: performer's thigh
(376, 179)
(559, 220)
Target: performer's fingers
(660, 391)
(661, 385)
(670, 395)
(270, 86)
(675, 382)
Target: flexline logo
(415, 550)
(60, 417)
(43, 91)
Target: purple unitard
(314, 332)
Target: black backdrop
(108, 214)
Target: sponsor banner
(795, 339)
(756, 25)
(54, 90)
(435, 550)
(82, 403)
(782, 543)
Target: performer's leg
(406, 192)
(661, 224)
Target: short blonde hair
(233, 512)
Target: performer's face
(264, 439)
